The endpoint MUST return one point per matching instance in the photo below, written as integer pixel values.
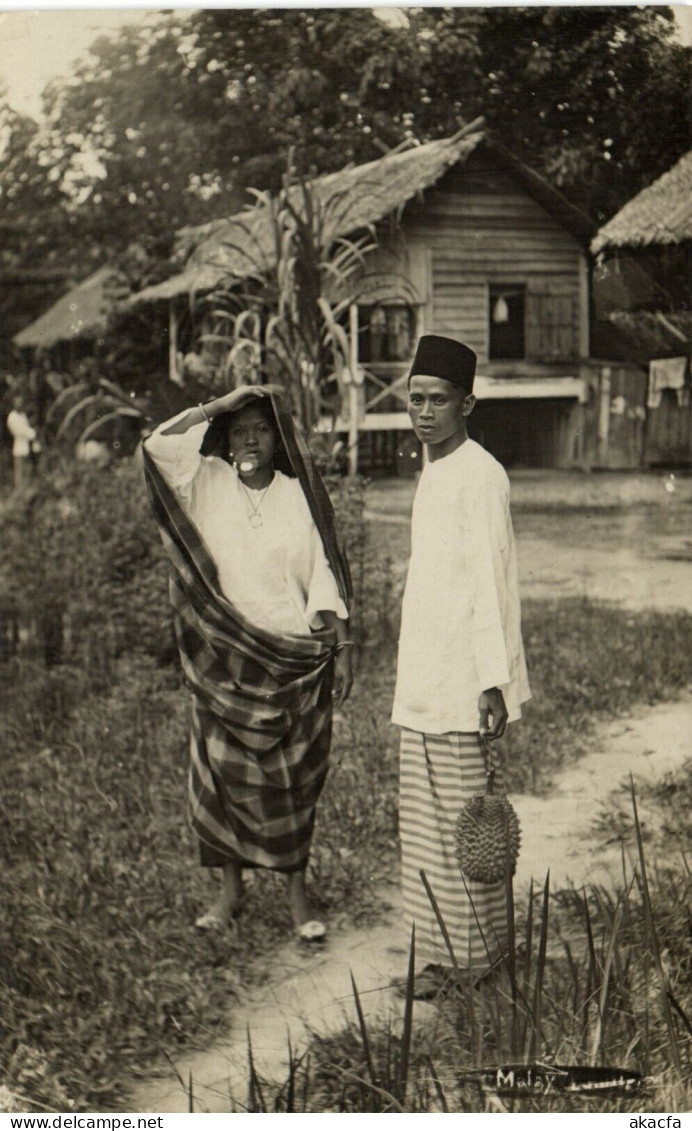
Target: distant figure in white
(24, 441)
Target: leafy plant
(94, 407)
(281, 318)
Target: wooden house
(471, 244)
(643, 292)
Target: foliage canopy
(170, 122)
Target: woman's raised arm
(206, 412)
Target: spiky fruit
(487, 838)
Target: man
(24, 441)
(461, 673)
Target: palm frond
(63, 397)
(96, 399)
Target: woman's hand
(343, 662)
(343, 676)
(205, 413)
(229, 402)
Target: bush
(81, 542)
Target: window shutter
(552, 325)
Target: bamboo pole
(173, 343)
(353, 421)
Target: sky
(37, 46)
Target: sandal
(212, 921)
(314, 931)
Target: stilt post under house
(354, 391)
(173, 374)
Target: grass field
(100, 969)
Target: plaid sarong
(261, 711)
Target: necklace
(255, 519)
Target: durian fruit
(487, 837)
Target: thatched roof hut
(651, 333)
(81, 313)
(355, 197)
(659, 215)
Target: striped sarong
(438, 774)
(261, 713)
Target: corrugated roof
(659, 214)
(81, 313)
(357, 196)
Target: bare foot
(301, 908)
(224, 909)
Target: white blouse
(275, 574)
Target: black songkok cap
(445, 358)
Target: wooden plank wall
(479, 226)
(482, 228)
(627, 417)
(669, 433)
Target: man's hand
(491, 704)
(343, 676)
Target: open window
(506, 321)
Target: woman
(261, 592)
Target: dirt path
(637, 559)
(312, 992)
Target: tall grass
(590, 1000)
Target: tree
(598, 99)
(34, 236)
(338, 84)
(123, 144)
(31, 219)
(168, 124)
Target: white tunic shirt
(460, 627)
(275, 574)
